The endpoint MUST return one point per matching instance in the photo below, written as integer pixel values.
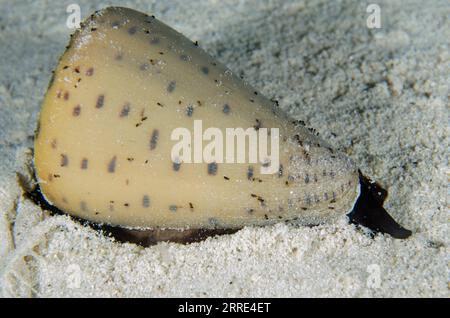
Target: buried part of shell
(367, 212)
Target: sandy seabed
(380, 95)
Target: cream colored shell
(102, 152)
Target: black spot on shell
(84, 164)
(212, 168)
(280, 171)
(171, 86)
(64, 160)
(145, 201)
(250, 173)
(154, 139)
(132, 30)
(258, 124)
(189, 110)
(125, 110)
(306, 178)
(100, 101)
(226, 109)
(76, 111)
(205, 70)
(176, 166)
(112, 165)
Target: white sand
(379, 95)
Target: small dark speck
(258, 124)
(191, 206)
(212, 168)
(176, 166)
(226, 178)
(226, 109)
(205, 70)
(132, 30)
(189, 111)
(171, 87)
(307, 178)
(250, 173)
(126, 205)
(66, 96)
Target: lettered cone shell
(103, 150)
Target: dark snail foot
(369, 212)
(151, 237)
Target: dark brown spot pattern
(125, 110)
(84, 164)
(154, 139)
(64, 160)
(171, 86)
(112, 165)
(145, 201)
(76, 111)
(100, 101)
(212, 169)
